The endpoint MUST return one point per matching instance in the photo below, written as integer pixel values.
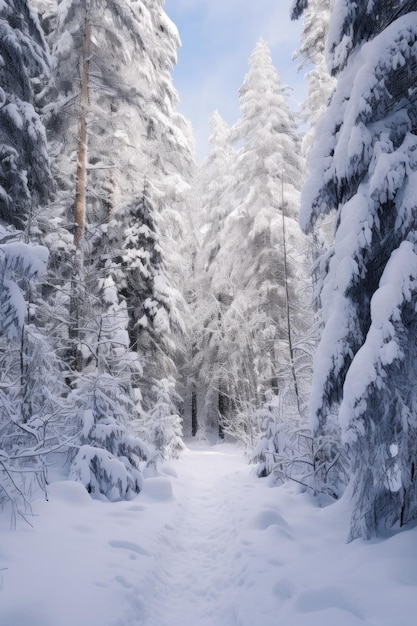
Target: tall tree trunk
(194, 421)
(287, 304)
(76, 298)
(81, 181)
(222, 407)
(222, 398)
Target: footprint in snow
(128, 545)
(283, 589)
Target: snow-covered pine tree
(108, 455)
(171, 171)
(110, 459)
(320, 83)
(215, 182)
(31, 373)
(25, 180)
(97, 103)
(320, 86)
(363, 165)
(133, 129)
(144, 283)
(267, 186)
(212, 288)
(154, 318)
(132, 133)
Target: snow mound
(268, 517)
(158, 488)
(70, 492)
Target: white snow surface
(205, 544)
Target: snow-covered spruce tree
(153, 315)
(171, 170)
(88, 110)
(31, 374)
(363, 165)
(261, 236)
(320, 86)
(212, 286)
(25, 180)
(215, 183)
(94, 103)
(145, 287)
(109, 456)
(128, 115)
(114, 83)
(320, 82)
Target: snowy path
(197, 550)
(202, 550)
(207, 544)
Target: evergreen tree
(216, 180)
(112, 127)
(25, 180)
(154, 318)
(32, 384)
(212, 289)
(320, 83)
(266, 195)
(133, 130)
(363, 166)
(109, 460)
(251, 206)
(31, 381)
(150, 301)
(94, 107)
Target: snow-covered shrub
(102, 473)
(110, 458)
(31, 381)
(241, 423)
(287, 451)
(283, 449)
(165, 425)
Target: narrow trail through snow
(200, 555)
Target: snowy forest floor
(207, 544)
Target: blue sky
(218, 37)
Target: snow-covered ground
(207, 544)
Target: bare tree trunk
(81, 181)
